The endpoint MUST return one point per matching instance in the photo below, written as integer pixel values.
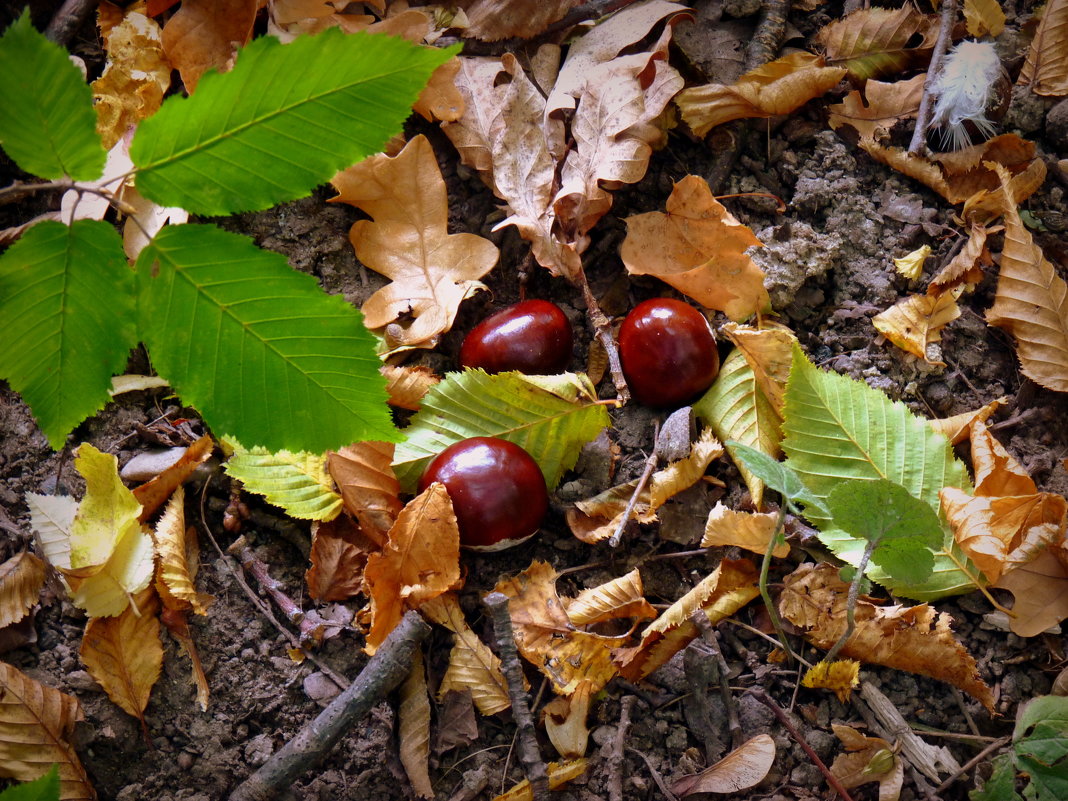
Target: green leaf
(46, 788)
(883, 512)
(778, 476)
(737, 410)
(297, 482)
(257, 347)
(66, 299)
(48, 125)
(838, 429)
(1001, 786)
(551, 417)
(284, 120)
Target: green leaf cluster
(1039, 752)
(260, 350)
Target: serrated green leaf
(777, 476)
(551, 417)
(1041, 747)
(837, 429)
(46, 788)
(284, 120)
(737, 410)
(48, 125)
(66, 299)
(258, 348)
(297, 482)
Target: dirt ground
(829, 272)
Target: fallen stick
(386, 669)
(942, 43)
(615, 758)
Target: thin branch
(923, 116)
(765, 566)
(311, 625)
(615, 757)
(982, 756)
(769, 34)
(643, 479)
(20, 190)
(602, 329)
(711, 639)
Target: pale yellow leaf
(984, 17)
(964, 267)
(747, 530)
(135, 383)
(565, 722)
(911, 265)
(769, 352)
(413, 728)
(744, 767)
(915, 324)
(21, 579)
(840, 676)
(51, 517)
(171, 547)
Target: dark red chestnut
(497, 491)
(533, 337)
(668, 352)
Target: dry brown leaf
(1046, 67)
(748, 530)
(869, 759)
(985, 17)
(205, 34)
(841, 676)
(407, 385)
(440, 99)
(173, 564)
(958, 427)
(124, 654)
(338, 557)
(778, 87)
(560, 773)
(21, 579)
(872, 42)
(135, 78)
(915, 324)
(153, 494)
(620, 597)
(964, 267)
(768, 351)
(369, 488)
(413, 728)
(493, 20)
(177, 623)
(724, 591)
(996, 471)
(1041, 592)
(879, 107)
(432, 271)
(36, 724)
(473, 667)
(744, 767)
(699, 248)
(565, 722)
(420, 561)
(1031, 301)
(457, 725)
(915, 638)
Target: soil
(827, 258)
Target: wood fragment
(70, 17)
(615, 758)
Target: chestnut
(533, 337)
(667, 352)
(497, 491)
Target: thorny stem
(602, 329)
(851, 601)
(765, 565)
(650, 465)
(923, 116)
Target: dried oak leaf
(872, 42)
(565, 721)
(985, 17)
(1031, 301)
(408, 241)
(748, 530)
(406, 385)
(178, 560)
(369, 488)
(493, 20)
(36, 723)
(914, 638)
(699, 248)
(420, 561)
(964, 267)
(915, 324)
(21, 579)
(868, 759)
(205, 34)
(124, 653)
(744, 767)
(338, 557)
(724, 591)
(778, 87)
(1046, 67)
(413, 728)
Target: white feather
(964, 89)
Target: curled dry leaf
(873, 42)
(457, 725)
(420, 561)
(724, 591)
(369, 487)
(565, 722)
(958, 427)
(744, 767)
(910, 266)
(176, 567)
(964, 267)
(560, 773)
(21, 579)
(742, 529)
(413, 728)
(869, 759)
(840, 676)
(205, 34)
(914, 638)
(124, 653)
(915, 324)
(407, 385)
(778, 87)
(620, 597)
(408, 241)
(36, 724)
(493, 20)
(338, 557)
(699, 248)
(875, 111)
(153, 494)
(1046, 67)
(1041, 592)
(985, 17)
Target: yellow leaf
(880, 106)
(769, 353)
(913, 638)
(841, 676)
(620, 597)
(565, 722)
(744, 767)
(152, 494)
(408, 241)
(985, 17)
(36, 724)
(413, 728)
(297, 482)
(699, 248)
(915, 324)
(1046, 67)
(869, 759)
(911, 265)
(778, 87)
(560, 773)
(742, 529)
(369, 487)
(174, 570)
(124, 653)
(21, 579)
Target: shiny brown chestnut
(533, 337)
(668, 352)
(497, 491)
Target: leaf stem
(851, 600)
(776, 540)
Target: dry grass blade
(21, 578)
(1046, 68)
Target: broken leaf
(911, 265)
(175, 571)
(964, 268)
(338, 557)
(699, 248)
(1040, 588)
(560, 773)
(958, 427)
(915, 324)
(153, 494)
(565, 722)
(297, 482)
(205, 34)
(915, 638)
(742, 529)
(369, 488)
(620, 597)
(51, 517)
(413, 728)
(407, 240)
(879, 107)
(872, 42)
(744, 767)
(985, 17)
(840, 676)
(177, 623)
(769, 351)
(406, 386)
(493, 20)
(868, 759)
(21, 579)
(1046, 67)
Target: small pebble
(320, 688)
(185, 760)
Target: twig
(69, 19)
(711, 639)
(311, 624)
(923, 116)
(700, 670)
(761, 696)
(602, 329)
(997, 745)
(769, 33)
(615, 758)
(765, 566)
(851, 601)
(670, 796)
(643, 479)
(527, 746)
(385, 670)
(18, 190)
